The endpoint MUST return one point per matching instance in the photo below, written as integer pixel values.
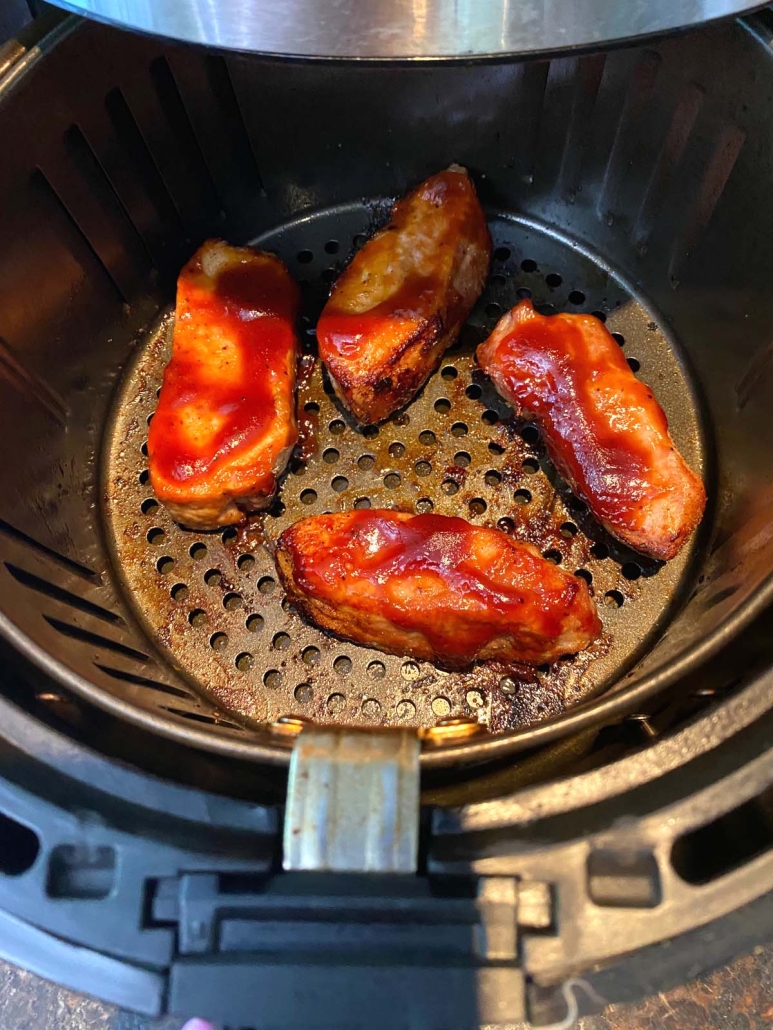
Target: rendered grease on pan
(307, 415)
(213, 600)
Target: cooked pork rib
(433, 587)
(225, 423)
(603, 428)
(402, 300)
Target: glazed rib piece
(433, 587)
(405, 295)
(603, 428)
(225, 423)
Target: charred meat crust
(393, 383)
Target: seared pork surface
(603, 428)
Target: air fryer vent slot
(43, 586)
(94, 639)
(6, 529)
(143, 681)
(19, 846)
(81, 871)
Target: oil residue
(307, 411)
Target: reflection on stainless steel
(405, 28)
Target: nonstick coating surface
(212, 601)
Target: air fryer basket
(633, 184)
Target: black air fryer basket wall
(634, 184)
(636, 181)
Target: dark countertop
(738, 996)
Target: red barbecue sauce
(428, 576)
(254, 305)
(596, 417)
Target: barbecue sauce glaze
(461, 587)
(603, 428)
(249, 310)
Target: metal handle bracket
(353, 802)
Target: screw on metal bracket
(642, 720)
(448, 730)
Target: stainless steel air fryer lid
(404, 30)
(633, 183)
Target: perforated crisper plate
(212, 602)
